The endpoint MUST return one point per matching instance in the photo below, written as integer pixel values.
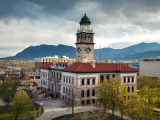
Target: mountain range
(138, 51)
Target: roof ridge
(79, 67)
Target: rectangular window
(132, 79)
(66, 79)
(93, 81)
(82, 102)
(69, 80)
(88, 81)
(93, 101)
(128, 79)
(88, 102)
(82, 81)
(124, 79)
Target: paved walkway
(54, 109)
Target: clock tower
(84, 42)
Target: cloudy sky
(116, 23)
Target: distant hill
(137, 51)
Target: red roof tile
(47, 65)
(26, 78)
(99, 67)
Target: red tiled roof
(26, 78)
(47, 65)
(99, 67)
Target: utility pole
(100, 52)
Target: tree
(7, 91)
(121, 102)
(101, 93)
(21, 103)
(147, 98)
(132, 106)
(108, 91)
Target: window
(82, 102)
(132, 79)
(59, 86)
(101, 78)
(93, 92)
(66, 91)
(93, 81)
(82, 93)
(107, 77)
(46, 61)
(82, 81)
(132, 89)
(60, 76)
(88, 81)
(124, 79)
(88, 102)
(69, 80)
(113, 76)
(129, 89)
(88, 93)
(66, 79)
(93, 101)
(128, 79)
(57, 75)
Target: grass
(8, 115)
(78, 116)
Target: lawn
(7, 114)
(78, 116)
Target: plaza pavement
(54, 108)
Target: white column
(85, 82)
(91, 82)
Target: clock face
(88, 50)
(78, 50)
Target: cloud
(116, 23)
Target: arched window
(86, 38)
(113, 76)
(89, 39)
(93, 92)
(54, 75)
(101, 78)
(82, 93)
(88, 93)
(107, 77)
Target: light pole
(41, 107)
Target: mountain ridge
(136, 51)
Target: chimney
(93, 63)
(70, 62)
(54, 63)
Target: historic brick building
(61, 78)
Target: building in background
(150, 67)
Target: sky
(116, 23)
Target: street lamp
(41, 106)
